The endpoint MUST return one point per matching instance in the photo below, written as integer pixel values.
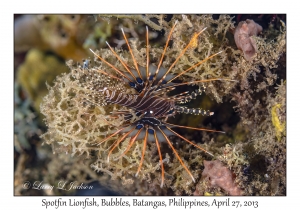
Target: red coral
(243, 37)
(220, 176)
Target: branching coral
(42, 68)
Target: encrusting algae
(77, 121)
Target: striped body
(154, 105)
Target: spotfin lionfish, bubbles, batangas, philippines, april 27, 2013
(150, 105)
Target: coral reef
(220, 176)
(62, 34)
(26, 123)
(42, 68)
(252, 150)
(243, 37)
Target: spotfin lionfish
(150, 104)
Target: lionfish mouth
(150, 101)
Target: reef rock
(220, 176)
(243, 37)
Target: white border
(94, 7)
